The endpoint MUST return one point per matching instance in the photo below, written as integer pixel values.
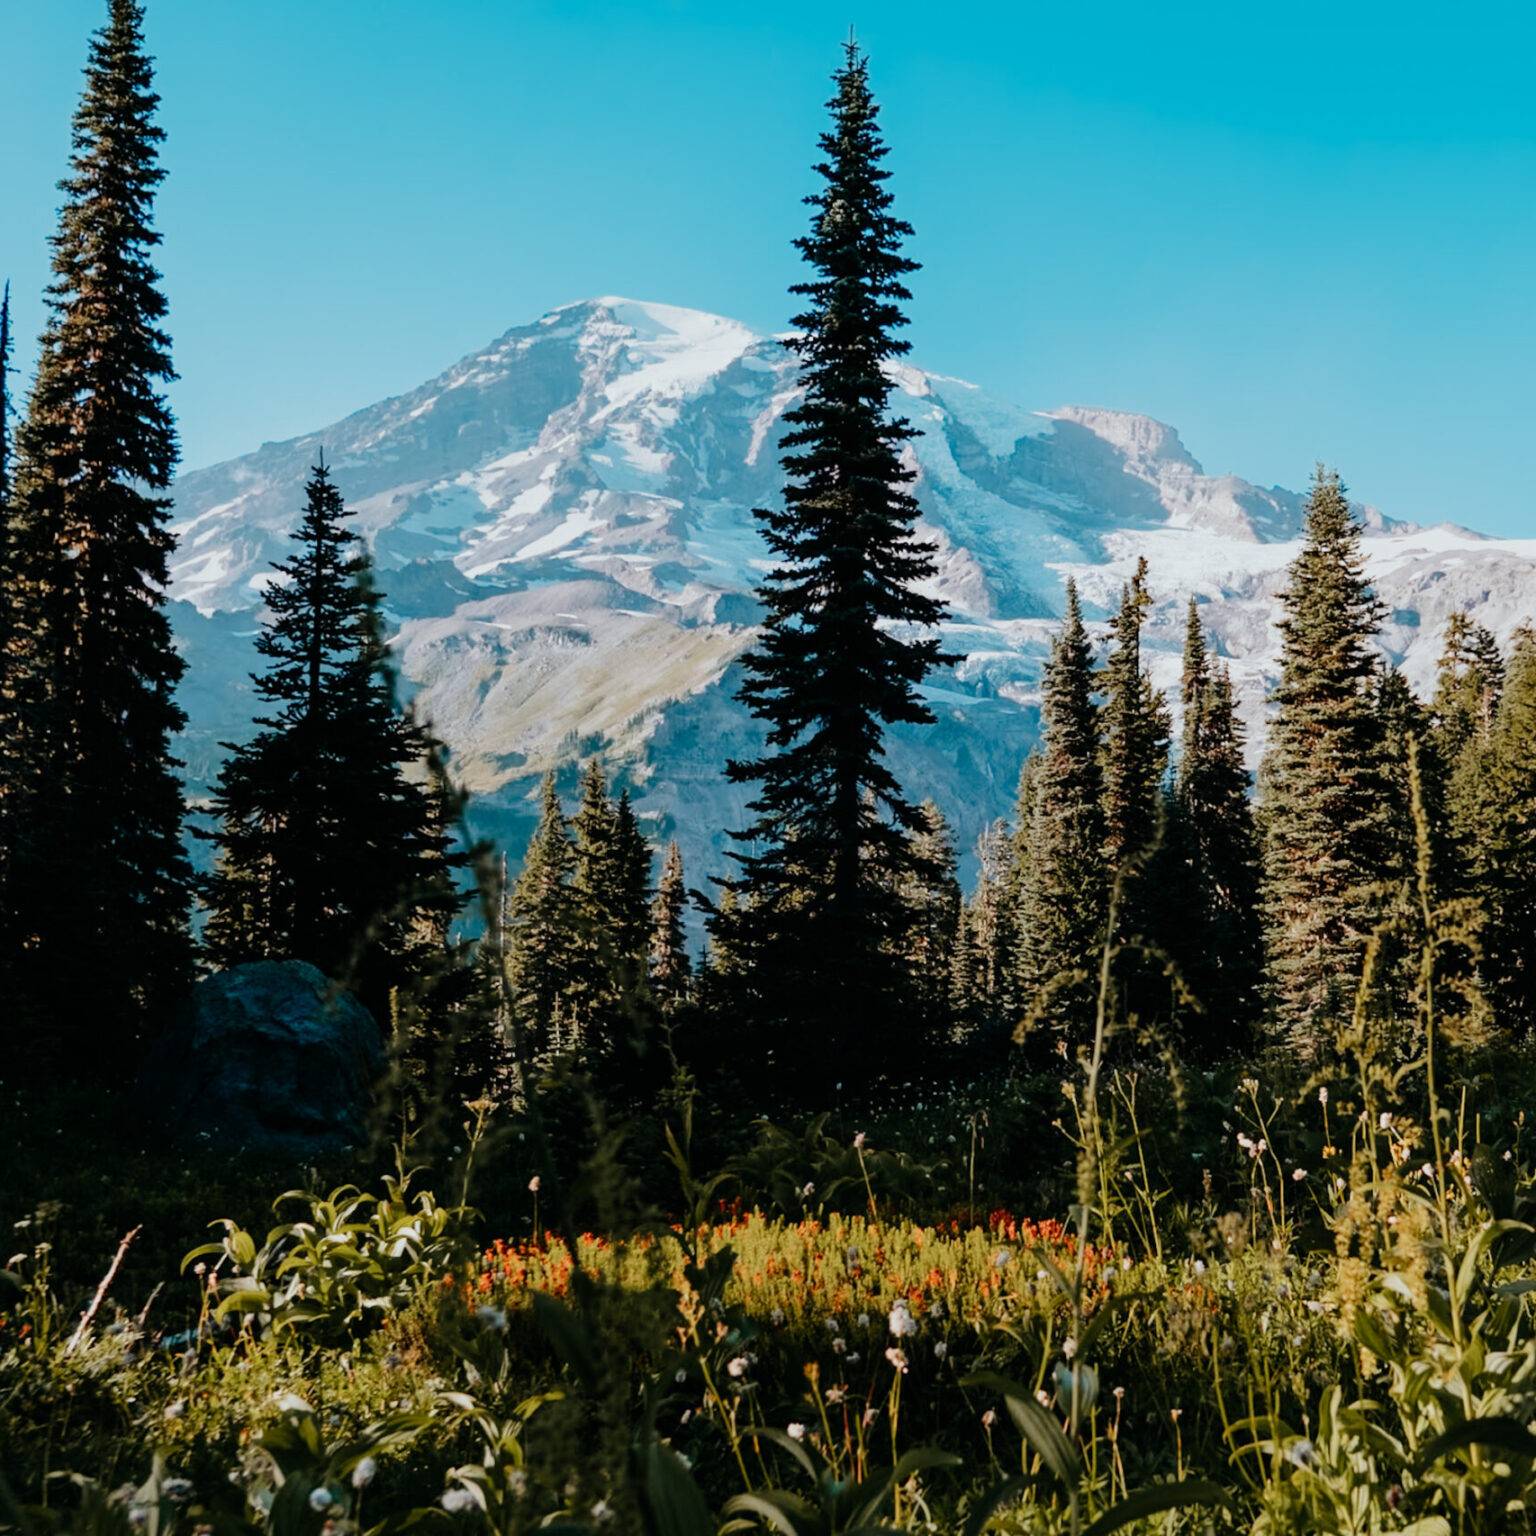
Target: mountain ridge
(562, 525)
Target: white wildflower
(737, 1367)
(362, 1473)
(1300, 1453)
(903, 1324)
(321, 1499)
(796, 1431)
(533, 1185)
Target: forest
(1171, 1178)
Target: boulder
(268, 1055)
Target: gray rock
(270, 1056)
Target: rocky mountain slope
(562, 523)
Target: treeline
(839, 947)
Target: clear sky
(1293, 231)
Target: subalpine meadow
(1171, 1179)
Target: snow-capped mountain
(562, 523)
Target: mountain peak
(1139, 437)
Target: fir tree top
(1135, 731)
(95, 406)
(1330, 611)
(1469, 682)
(1196, 673)
(5, 400)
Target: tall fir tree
(1063, 897)
(1209, 876)
(5, 414)
(1135, 734)
(1469, 682)
(612, 885)
(1468, 690)
(594, 835)
(932, 927)
(100, 883)
(848, 637)
(544, 921)
(7, 624)
(1493, 810)
(1325, 814)
(334, 845)
(986, 964)
(670, 970)
(630, 903)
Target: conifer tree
(1493, 799)
(612, 885)
(5, 414)
(986, 966)
(1135, 729)
(630, 903)
(1017, 868)
(334, 842)
(593, 995)
(670, 969)
(848, 637)
(1325, 811)
(99, 880)
(1209, 876)
(1469, 683)
(1064, 892)
(1401, 719)
(8, 597)
(932, 897)
(544, 921)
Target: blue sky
(1293, 231)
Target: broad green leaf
(1502, 1434)
(991, 1503)
(1156, 1498)
(785, 1443)
(1036, 1424)
(676, 1505)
